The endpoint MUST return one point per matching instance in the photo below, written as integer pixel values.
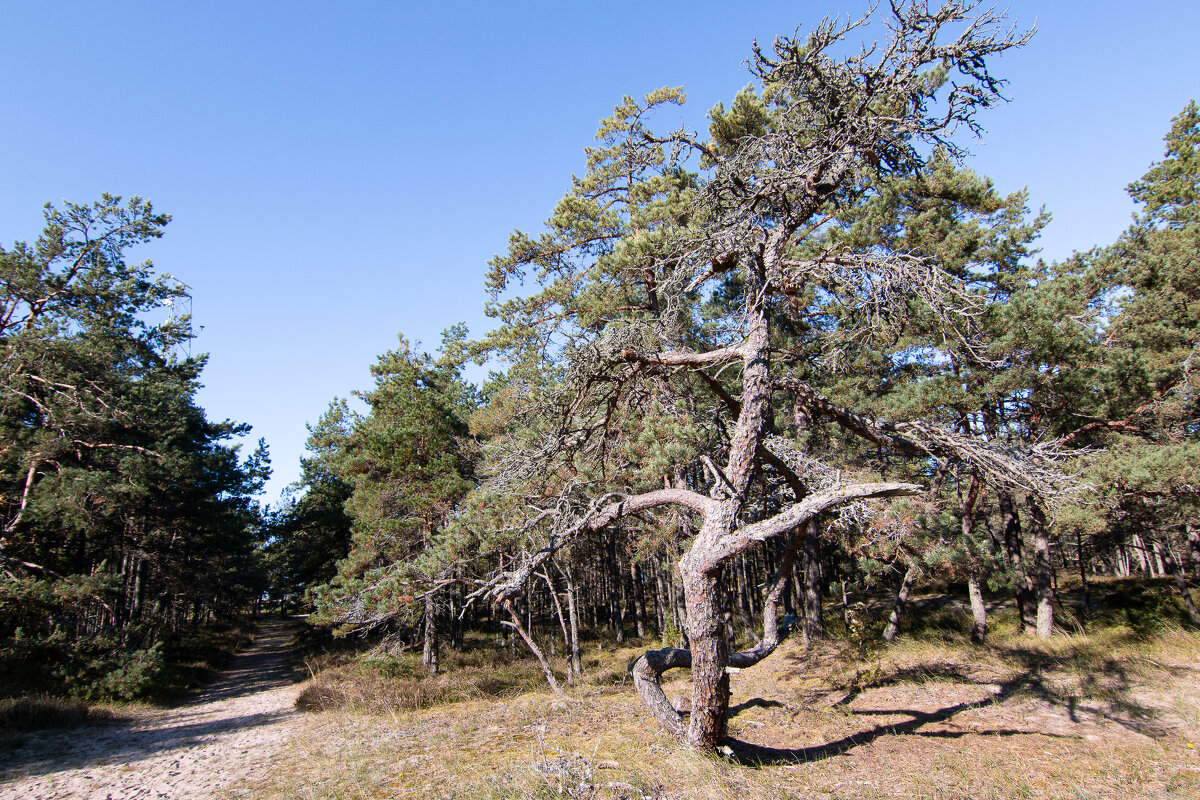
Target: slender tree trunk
(741, 597)
(1041, 549)
(1159, 562)
(1012, 545)
(1180, 580)
(845, 605)
(537, 651)
(574, 655)
(639, 601)
(1139, 549)
(660, 600)
(810, 565)
(620, 602)
(975, 493)
(1193, 539)
(680, 610)
(558, 610)
(1081, 554)
(903, 587)
(978, 610)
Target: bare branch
(796, 515)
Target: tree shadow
(90, 746)
(754, 755)
(758, 702)
(1106, 678)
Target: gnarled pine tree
(648, 378)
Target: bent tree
(668, 370)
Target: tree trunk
(429, 653)
(1139, 549)
(1012, 545)
(661, 611)
(709, 645)
(1180, 580)
(1086, 598)
(558, 610)
(537, 651)
(810, 566)
(741, 597)
(903, 587)
(649, 668)
(573, 654)
(1193, 540)
(639, 601)
(978, 610)
(1156, 549)
(1041, 549)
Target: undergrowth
(108, 690)
(1107, 707)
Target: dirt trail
(197, 750)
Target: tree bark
(573, 654)
(1193, 539)
(1086, 598)
(429, 652)
(1180, 580)
(810, 593)
(1041, 549)
(1013, 546)
(903, 587)
(978, 610)
(562, 623)
(709, 645)
(639, 601)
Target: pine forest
(772, 419)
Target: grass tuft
(23, 714)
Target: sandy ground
(200, 749)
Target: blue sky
(339, 173)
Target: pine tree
(658, 333)
(409, 461)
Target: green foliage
(124, 514)
(310, 532)
(1145, 432)
(407, 465)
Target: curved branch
(800, 513)
(646, 672)
(509, 584)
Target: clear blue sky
(339, 172)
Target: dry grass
(1107, 714)
(387, 685)
(38, 713)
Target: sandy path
(224, 736)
